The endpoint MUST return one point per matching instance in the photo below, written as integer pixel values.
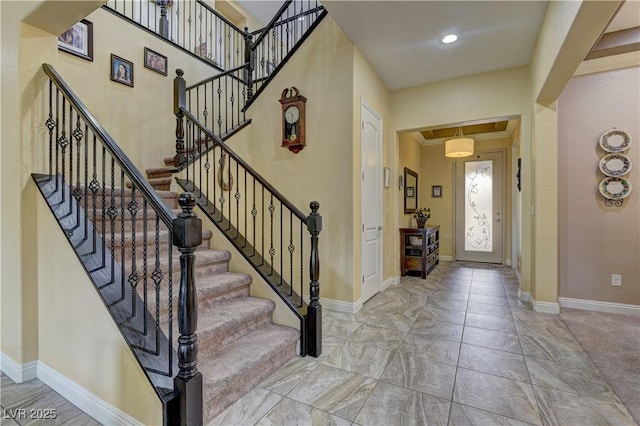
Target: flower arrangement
(423, 213)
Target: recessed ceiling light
(450, 38)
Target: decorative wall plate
(615, 165)
(615, 140)
(615, 188)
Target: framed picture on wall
(121, 70)
(436, 191)
(410, 192)
(78, 40)
(155, 61)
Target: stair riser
(140, 224)
(163, 247)
(171, 202)
(158, 174)
(217, 402)
(204, 301)
(210, 342)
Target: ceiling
(401, 40)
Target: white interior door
(479, 207)
(371, 150)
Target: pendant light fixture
(459, 146)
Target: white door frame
(503, 207)
(379, 186)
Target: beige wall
(93, 354)
(323, 170)
(140, 119)
(596, 241)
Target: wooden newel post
(187, 235)
(179, 103)
(249, 59)
(314, 310)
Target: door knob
(379, 228)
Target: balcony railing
(190, 24)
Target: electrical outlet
(616, 280)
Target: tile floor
(34, 403)
(458, 348)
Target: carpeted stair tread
(160, 172)
(163, 237)
(244, 364)
(156, 181)
(204, 259)
(218, 285)
(221, 323)
(211, 289)
(168, 161)
(170, 198)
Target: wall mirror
(410, 191)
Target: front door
(479, 207)
(371, 151)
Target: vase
(420, 222)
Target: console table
(419, 249)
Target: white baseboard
(100, 410)
(19, 373)
(544, 307)
(524, 295)
(507, 262)
(446, 258)
(389, 282)
(595, 305)
(339, 305)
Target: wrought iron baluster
(51, 124)
(122, 236)
(301, 265)
(134, 277)
(237, 197)
(86, 183)
(272, 251)
(144, 264)
(157, 277)
(281, 232)
(291, 250)
(104, 213)
(94, 186)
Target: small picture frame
(387, 177)
(121, 70)
(78, 40)
(155, 61)
(410, 191)
(436, 191)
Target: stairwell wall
(322, 70)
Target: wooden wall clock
(293, 120)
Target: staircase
(199, 336)
(238, 344)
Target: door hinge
(363, 227)
(363, 176)
(363, 278)
(362, 124)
